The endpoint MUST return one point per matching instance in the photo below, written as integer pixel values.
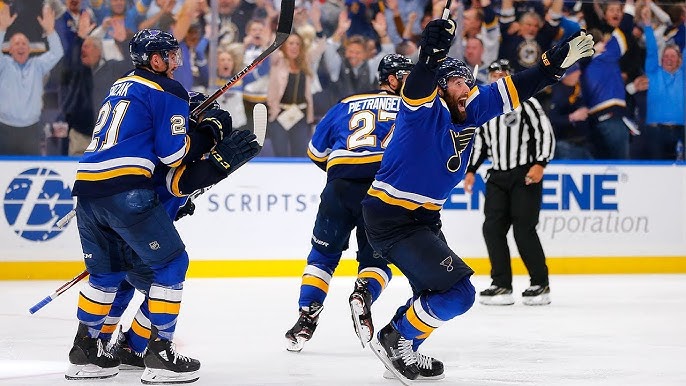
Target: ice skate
(430, 369)
(130, 360)
(163, 365)
(496, 296)
(304, 328)
(396, 354)
(536, 295)
(89, 358)
(360, 308)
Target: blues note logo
(34, 201)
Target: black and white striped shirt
(521, 137)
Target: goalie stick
(283, 30)
(58, 292)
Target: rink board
(595, 218)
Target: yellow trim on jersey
(140, 330)
(512, 90)
(385, 197)
(92, 307)
(491, 24)
(126, 171)
(607, 104)
(175, 181)
(158, 306)
(421, 101)
(140, 80)
(315, 281)
(417, 323)
(365, 96)
(313, 157)
(254, 98)
(621, 40)
(373, 275)
(353, 160)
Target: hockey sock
(164, 297)
(430, 310)
(121, 301)
(377, 279)
(317, 276)
(139, 333)
(95, 300)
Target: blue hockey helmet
(452, 67)
(147, 42)
(394, 64)
(197, 98)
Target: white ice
(599, 330)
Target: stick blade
(259, 120)
(286, 16)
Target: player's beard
(458, 113)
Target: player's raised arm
(420, 85)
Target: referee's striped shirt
(521, 137)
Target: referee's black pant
(510, 202)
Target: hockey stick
(58, 291)
(283, 30)
(61, 223)
(446, 10)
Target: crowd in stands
(60, 58)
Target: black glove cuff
(550, 69)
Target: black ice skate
(536, 295)
(496, 296)
(396, 354)
(304, 328)
(360, 308)
(89, 358)
(163, 365)
(430, 369)
(130, 360)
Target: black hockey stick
(283, 30)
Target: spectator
(524, 42)
(479, 22)
(473, 56)
(194, 74)
(229, 59)
(255, 42)
(568, 115)
(353, 71)
(665, 120)
(603, 86)
(90, 84)
(21, 100)
(289, 99)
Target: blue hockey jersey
(351, 138)
(429, 154)
(143, 121)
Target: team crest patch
(448, 263)
(154, 245)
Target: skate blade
(497, 300)
(78, 372)
(364, 333)
(296, 346)
(380, 352)
(540, 300)
(124, 367)
(388, 374)
(166, 377)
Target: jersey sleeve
(170, 123)
(321, 144)
(487, 102)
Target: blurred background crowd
(60, 58)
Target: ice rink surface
(599, 330)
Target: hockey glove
(556, 60)
(435, 42)
(186, 210)
(216, 123)
(234, 151)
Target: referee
(520, 145)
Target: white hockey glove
(557, 59)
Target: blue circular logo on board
(34, 201)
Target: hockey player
(238, 147)
(348, 144)
(427, 157)
(142, 122)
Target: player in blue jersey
(242, 146)
(348, 145)
(142, 123)
(425, 160)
